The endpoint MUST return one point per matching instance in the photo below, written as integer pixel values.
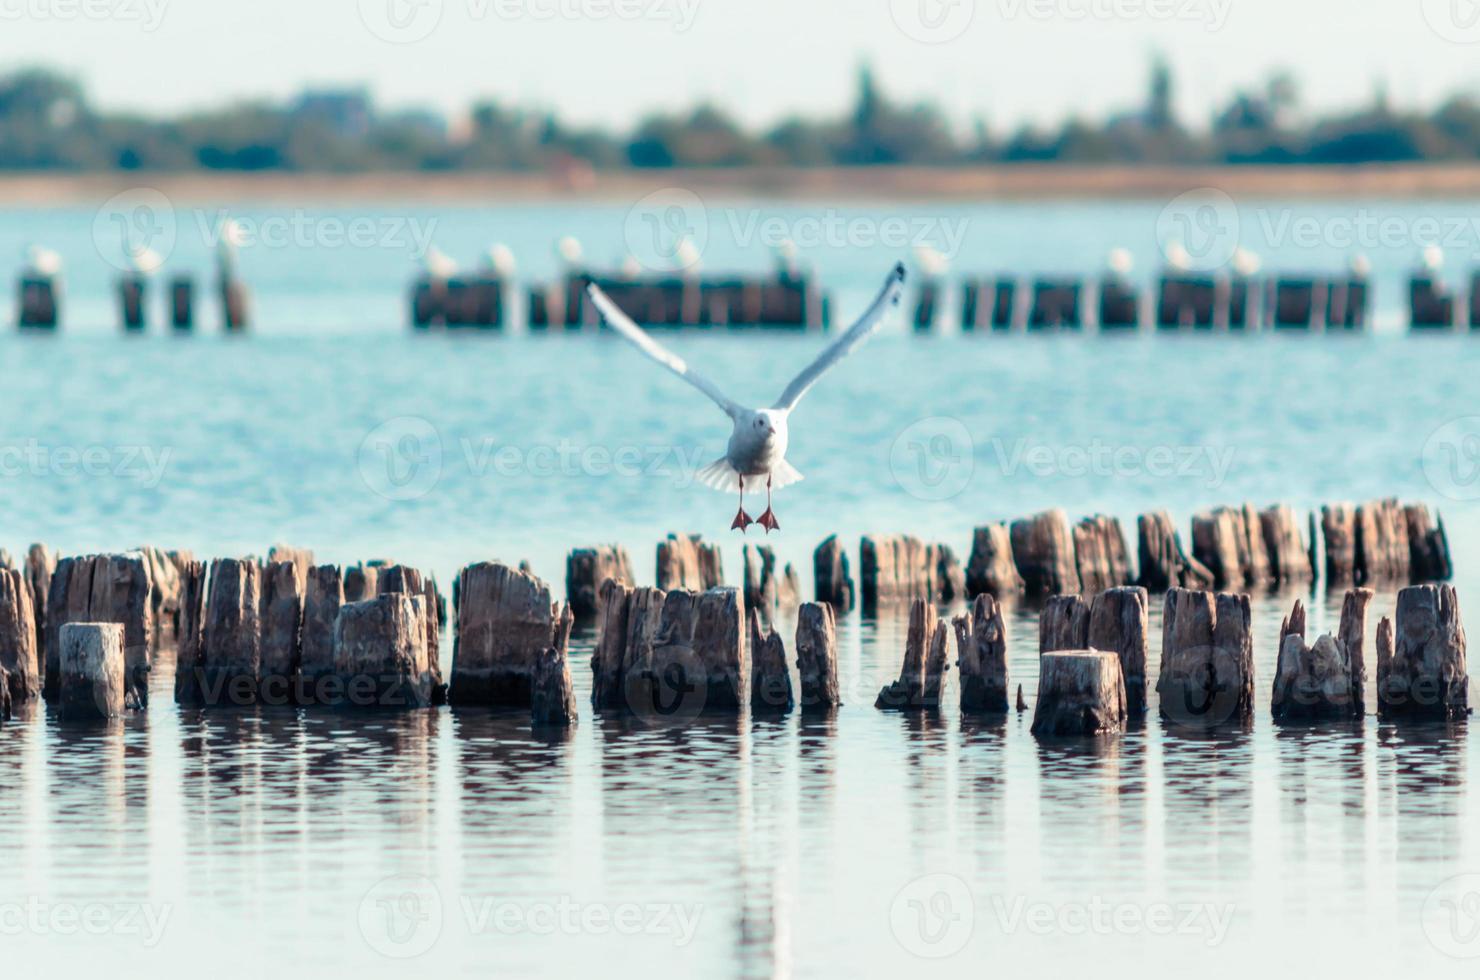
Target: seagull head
(767, 421)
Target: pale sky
(612, 60)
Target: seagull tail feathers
(720, 475)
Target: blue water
(308, 844)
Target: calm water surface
(295, 844)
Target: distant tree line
(46, 123)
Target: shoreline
(840, 185)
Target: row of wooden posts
(40, 303)
(480, 301)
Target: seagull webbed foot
(742, 521)
(769, 522)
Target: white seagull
(759, 441)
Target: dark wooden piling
(554, 697)
(1164, 562)
(770, 680)
(1207, 660)
(1119, 624)
(720, 650)
(1347, 304)
(1428, 546)
(503, 625)
(986, 304)
(323, 596)
(91, 682)
(611, 642)
(1295, 302)
(182, 304)
(283, 593)
(1243, 295)
(1101, 555)
(761, 589)
(380, 653)
(832, 577)
(190, 631)
(1339, 532)
(621, 664)
(410, 581)
(686, 562)
(586, 571)
(817, 657)
(991, 569)
(896, 569)
(131, 295)
(1351, 637)
(19, 663)
(981, 645)
(230, 658)
(235, 305)
(1423, 673)
(1289, 558)
(41, 565)
(1079, 693)
(66, 602)
(927, 305)
(1321, 681)
(1383, 552)
(39, 303)
(360, 582)
(1187, 302)
(1056, 305)
(1219, 543)
(429, 302)
(1064, 624)
(1431, 305)
(910, 692)
(1120, 305)
(1043, 550)
(103, 589)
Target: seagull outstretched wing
(639, 338)
(848, 343)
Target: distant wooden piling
(503, 625)
(182, 304)
(1101, 555)
(283, 593)
(41, 564)
(1043, 550)
(103, 589)
(19, 662)
(1119, 624)
(322, 598)
(832, 577)
(1220, 543)
(770, 679)
(1120, 305)
(1207, 660)
(587, 569)
(553, 693)
(991, 569)
(1165, 564)
(1063, 624)
(229, 663)
(897, 569)
(360, 582)
(686, 562)
(1383, 552)
(1289, 557)
(1428, 546)
(190, 631)
(1187, 302)
(1422, 665)
(91, 684)
(235, 305)
(131, 296)
(1295, 302)
(927, 305)
(817, 657)
(1056, 305)
(981, 643)
(921, 677)
(39, 303)
(380, 653)
(1339, 533)
(1079, 693)
(1431, 305)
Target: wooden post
(719, 645)
(895, 569)
(686, 562)
(182, 304)
(587, 570)
(360, 582)
(39, 302)
(553, 694)
(19, 664)
(1079, 693)
(1428, 546)
(990, 570)
(1101, 555)
(832, 577)
(921, 679)
(1339, 531)
(1219, 542)
(1043, 550)
(981, 644)
(283, 592)
(103, 589)
(1320, 682)
(1423, 674)
(1383, 553)
(230, 661)
(817, 657)
(770, 680)
(1207, 660)
(926, 305)
(1289, 558)
(1064, 624)
(380, 653)
(190, 632)
(323, 596)
(1431, 305)
(1165, 564)
(1055, 305)
(41, 565)
(235, 306)
(131, 294)
(1120, 305)
(1119, 624)
(503, 625)
(91, 682)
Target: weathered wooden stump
(1431, 304)
(587, 569)
(611, 643)
(1428, 546)
(981, 645)
(1043, 550)
(1079, 693)
(1022, 702)
(1165, 564)
(1314, 682)
(235, 305)
(1120, 305)
(622, 662)
(190, 632)
(1063, 624)
(283, 590)
(1101, 555)
(922, 678)
(950, 577)
(686, 562)
(696, 661)
(761, 590)
(104, 589)
(553, 694)
(39, 302)
(1383, 553)
(1339, 532)
(380, 653)
(230, 660)
(182, 304)
(817, 657)
(1289, 558)
(503, 625)
(163, 568)
(1207, 660)
(41, 565)
(131, 302)
(1219, 543)
(893, 570)
(91, 684)
(1422, 673)
(991, 570)
(832, 577)
(323, 595)
(409, 581)
(719, 645)
(1351, 637)
(770, 680)
(19, 662)
(1119, 624)
(361, 582)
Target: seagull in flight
(759, 441)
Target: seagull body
(761, 436)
